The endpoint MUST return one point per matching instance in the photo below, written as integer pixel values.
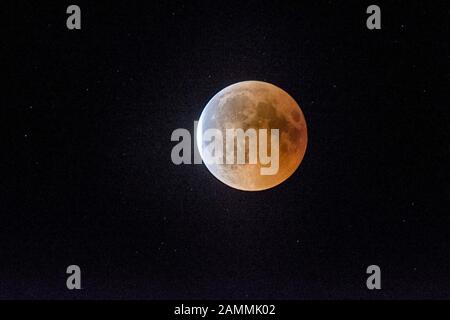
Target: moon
(256, 105)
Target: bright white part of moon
(255, 105)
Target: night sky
(86, 176)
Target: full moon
(255, 105)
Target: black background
(87, 178)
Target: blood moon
(254, 105)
